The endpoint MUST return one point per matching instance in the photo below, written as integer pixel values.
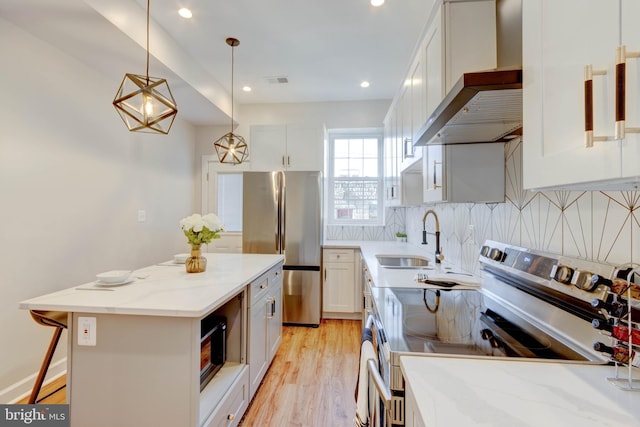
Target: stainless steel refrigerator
(282, 214)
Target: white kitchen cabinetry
(294, 147)
(464, 173)
(341, 292)
(265, 326)
(460, 38)
(559, 40)
(391, 160)
(412, 417)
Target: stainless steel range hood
(484, 106)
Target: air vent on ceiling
(276, 80)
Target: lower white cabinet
(265, 324)
(230, 411)
(341, 291)
(412, 417)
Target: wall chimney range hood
(483, 106)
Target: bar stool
(58, 320)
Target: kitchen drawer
(234, 405)
(275, 274)
(339, 255)
(258, 289)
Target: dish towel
(362, 387)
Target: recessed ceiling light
(185, 13)
(364, 84)
(246, 88)
(377, 3)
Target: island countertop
(164, 289)
(453, 391)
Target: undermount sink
(402, 261)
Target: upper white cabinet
(459, 37)
(464, 173)
(295, 147)
(392, 159)
(569, 71)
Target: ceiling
(324, 48)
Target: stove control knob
(583, 280)
(597, 280)
(495, 342)
(486, 334)
(496, 255)
(484, 251)
(563, 274)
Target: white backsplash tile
(597, 225)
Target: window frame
(370, 133)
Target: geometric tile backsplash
(595, 225)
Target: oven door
(379, 375)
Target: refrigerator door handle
(278, 185)
(283, 221)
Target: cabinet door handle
(621, 91)
(231, 417)
(325, 274)
(589, 72)
(282, 160)
(288, 161)
(272, 307)
(435, 180)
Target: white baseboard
(22, 388)
(346, 316)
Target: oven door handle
(369, 320)
(506, 338)
(383, 392)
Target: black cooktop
(461, 322)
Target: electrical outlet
(142, 215)
(87, 331)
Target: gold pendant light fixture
(231, 148)
(145, 103)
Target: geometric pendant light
(231, 148)
(145, 103)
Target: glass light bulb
(148, 106)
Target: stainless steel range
(531, 304)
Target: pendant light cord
(148, 7)
(232, 64)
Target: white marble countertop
(480, 392)
(392, 277)
(166, 290)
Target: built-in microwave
(213, 354)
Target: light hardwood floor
(312, 379)
(310, 383)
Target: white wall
(72, 179)
(333, 115)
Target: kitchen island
(144, 368)
(446, 391)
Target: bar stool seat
(57, 320)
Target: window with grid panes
(355, 172)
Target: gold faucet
(439, 256)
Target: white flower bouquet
(201, 229)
